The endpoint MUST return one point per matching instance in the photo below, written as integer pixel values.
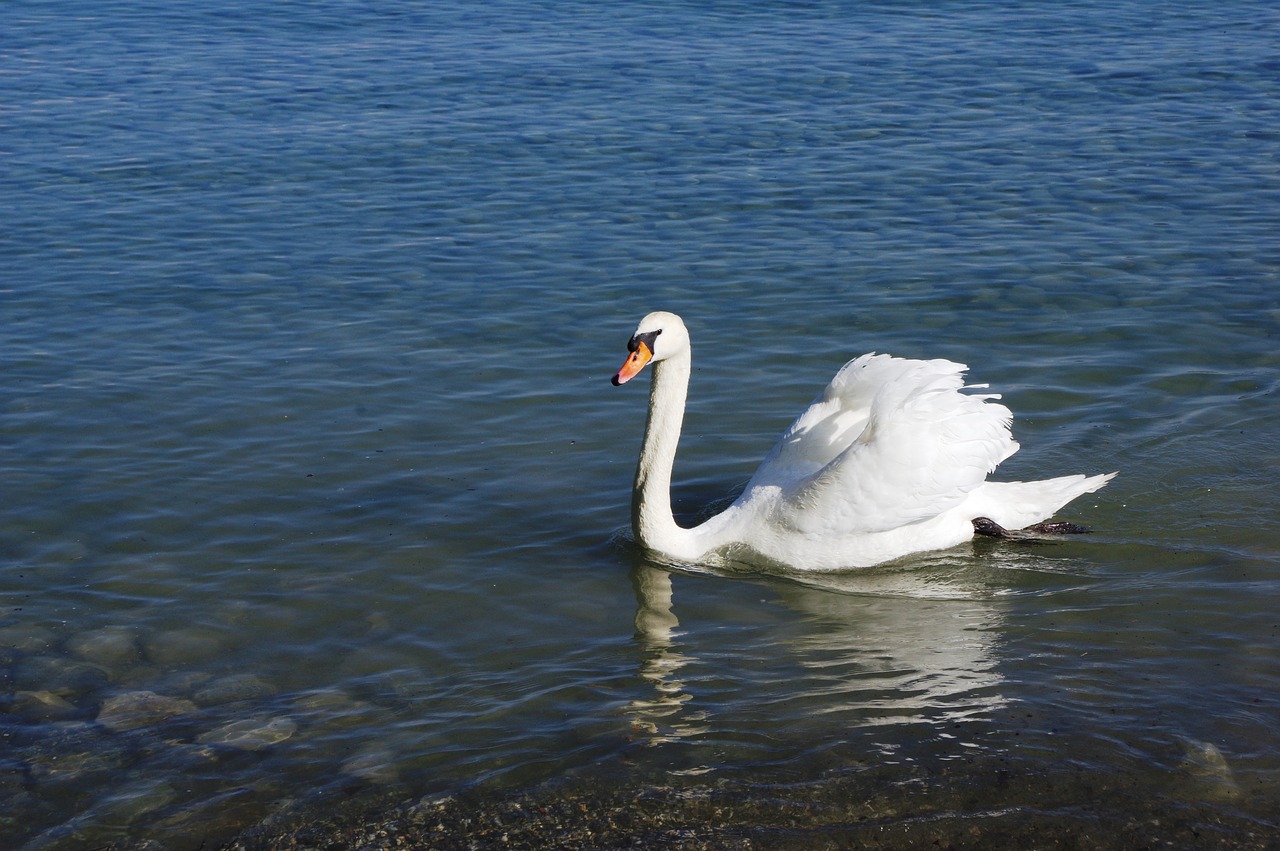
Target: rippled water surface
(314, 489)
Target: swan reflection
(885, 646)
(660, 718)
(899, 657)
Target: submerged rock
(30, 639)
(71, 754)
(1203, 760)
(107, 821)
(41, 706)
(66, 677)
(251, 734)
(112, 647)
(184, 682)
(234, 809)
(374, 766)
(135, 709)
(177, 648)
(128, 805)
(338, 710)
(233, 688)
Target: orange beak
(635, 363)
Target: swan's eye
(647, 338)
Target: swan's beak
(641, 356)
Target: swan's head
(659, 335)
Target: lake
(316, 493)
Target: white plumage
(890, 459)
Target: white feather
(891, 458)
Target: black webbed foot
(990, 528)
(1039, 531)
(1060, 527)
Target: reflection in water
(661, 718)
(896, 647)
(882, 646)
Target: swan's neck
(651, 518)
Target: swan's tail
(1015, 505)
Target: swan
(890, 459)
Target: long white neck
(651, 518)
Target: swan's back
(888, 443)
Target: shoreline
(865, 808)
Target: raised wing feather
(890, 442)
(830, 424)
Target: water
(308, 315)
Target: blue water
(307, 315)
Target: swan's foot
(990, 528)
(987, 526)
(1060, 527)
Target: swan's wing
(924, 444)
(831, 422)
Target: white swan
(890, 459)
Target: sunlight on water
(315, 489)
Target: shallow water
(307, 322)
